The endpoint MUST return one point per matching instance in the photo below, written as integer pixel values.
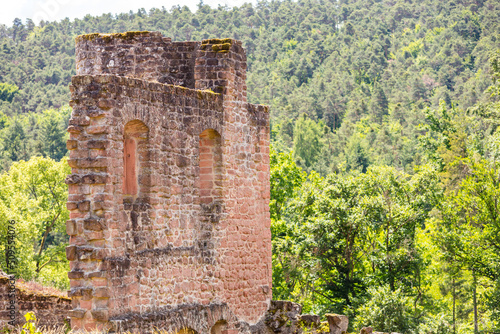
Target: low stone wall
(283, 317)
(286, 317)
(50, 310)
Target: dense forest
(385, 159)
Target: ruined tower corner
(169, 191)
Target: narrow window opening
(210, 166)
(130, 164)
(134, 132)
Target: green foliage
(53, 136)
(286, 180)
(7, 91)
(471, 227)
(387, 310)
(308, 141)
(25, 136)
(491, 109)
(15, 142)
(286, 177)
(356, 157)
(339, 235)
(34, 195)
(338, 231)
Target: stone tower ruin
(169, 191)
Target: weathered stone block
(338, 323)
(71, 144)
(76, 313)
(71, 227)
(84, 206)
(92, 224)
(71, 253)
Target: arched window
(210, 166)
(135, 131)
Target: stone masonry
(169, 191)
(51, 309)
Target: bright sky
(55, 10)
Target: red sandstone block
(93, 224)
(97, 129)
(77, 240)
(85, 304)
(205, 152)
(95, 237)
(100, 303)
(71, 227)
(97, 144)
(71, 144)
(74, 129)
(77, 214)
(206, 175)
(206, 163)
(90, 325)
(100, 162)
(205, 193)
(71, 205)
(76, 315)
(75, 275)
(71, 253)
(105, 104)
(73, 189)
(133, 288)
(81, 120)
(94, 178)
(84, 206)
(99, 282)
(205, 185)
(100, 315)
(98, 254)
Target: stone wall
(282, 317)
(143, 55)
(51, 310)
(169, 191)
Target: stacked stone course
(50, 309)
(169, 191)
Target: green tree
(491, 109)
(387, 310)
(379, 104)
(471, 227)
(356, 156)
(34, 195)
(15, 141)
(308, 141)
(403, 204)
(53, 135)
(338, 232)
(8, 91)
(286, 179)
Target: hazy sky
(59, 9)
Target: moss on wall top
(109, 37)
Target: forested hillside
(385, 161)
